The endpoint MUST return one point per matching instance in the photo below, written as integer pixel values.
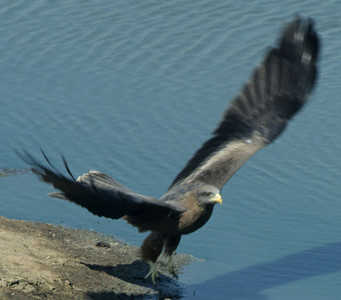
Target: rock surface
(42, 261)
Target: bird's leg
(171, 267)
(150, 250)
(171, 243)
(152, 272)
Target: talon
(171, 268)
(153, 273)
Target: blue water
(133, 88)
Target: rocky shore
(42, 261)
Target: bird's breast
(194, 218)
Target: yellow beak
(217, 198)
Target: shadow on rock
(112, 295)
(165, 287)
(132, 273)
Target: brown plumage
(277, 90)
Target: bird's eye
(207, 194)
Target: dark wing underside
(277, 90)
(102, 195)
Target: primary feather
(277, 90)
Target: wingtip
(299, 40)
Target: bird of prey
(277, 90)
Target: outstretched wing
(100, 194)
(277, 90)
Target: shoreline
(43, 261)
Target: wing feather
(100, 194)
(277, 90)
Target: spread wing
(277, 90)
(102, 195)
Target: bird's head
(208, 195)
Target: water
(134, 88)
